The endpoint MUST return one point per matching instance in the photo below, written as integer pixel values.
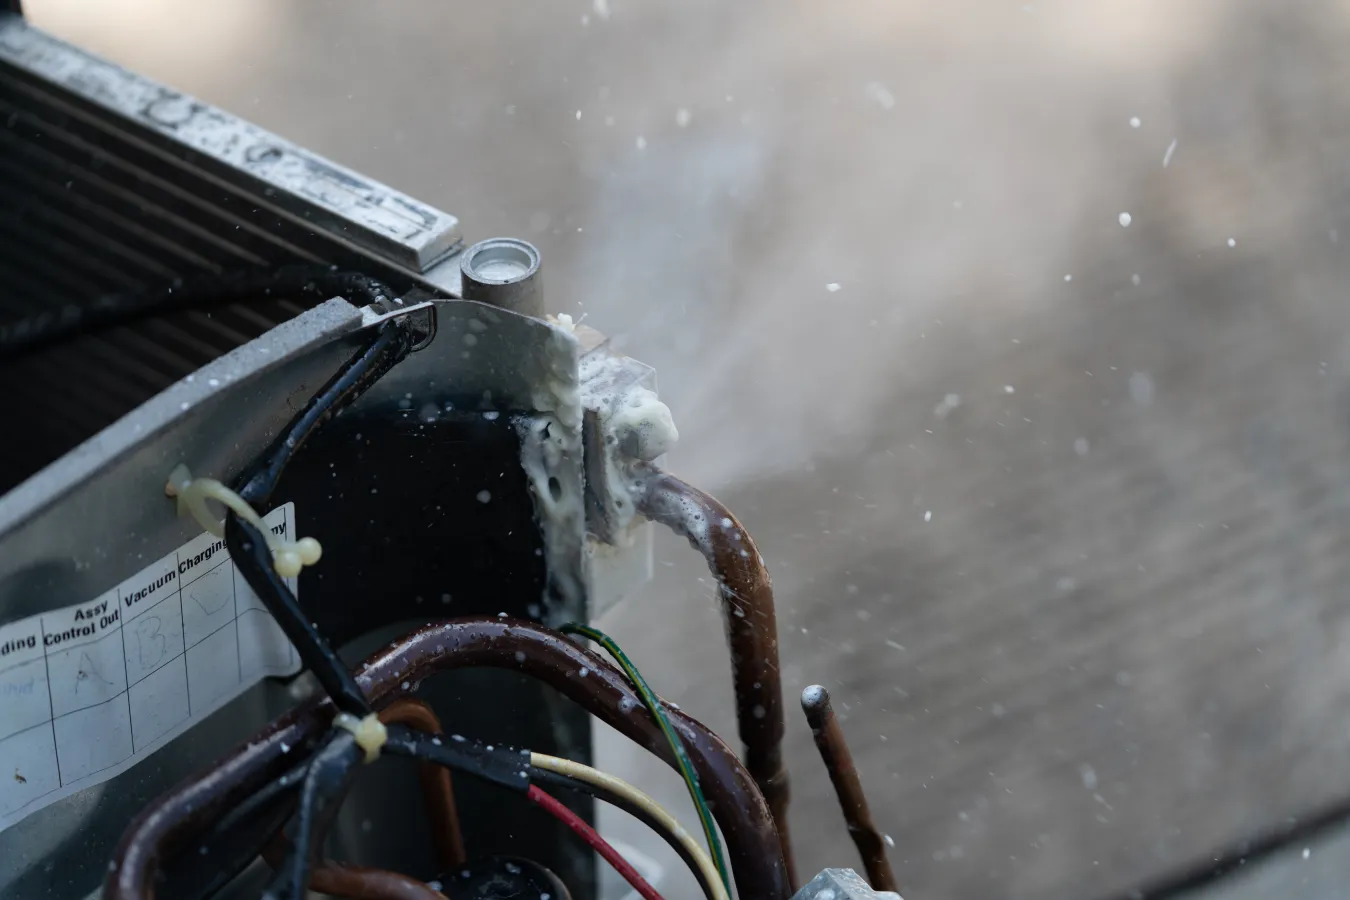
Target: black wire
(390, 346)
(557, 779)
(259, 800)
(511, 768)
(496, 763)
(197, 292)
(233, 842)
(329, 777)
(248, 546)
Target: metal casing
(110, 182)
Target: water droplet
(1141, 388)
(881, 94)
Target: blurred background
(1018, 334)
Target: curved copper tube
(752, 629)
(186, 811)
(847, 787)
(174, 819)
(437, 788)
(355, 882)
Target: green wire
(676, 745)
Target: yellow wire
(617, 785)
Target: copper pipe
(752, 629)
(437, 788)
(356, 882)
(185, 812)
(172, 821)
(541, 653)
(847, 787)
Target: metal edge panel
(520, 363)
(371, 215)
(87, 520)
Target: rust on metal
(847, 787)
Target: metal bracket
(422, 320)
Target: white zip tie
(369, 732)
(288, 557)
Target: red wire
(590, 836)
